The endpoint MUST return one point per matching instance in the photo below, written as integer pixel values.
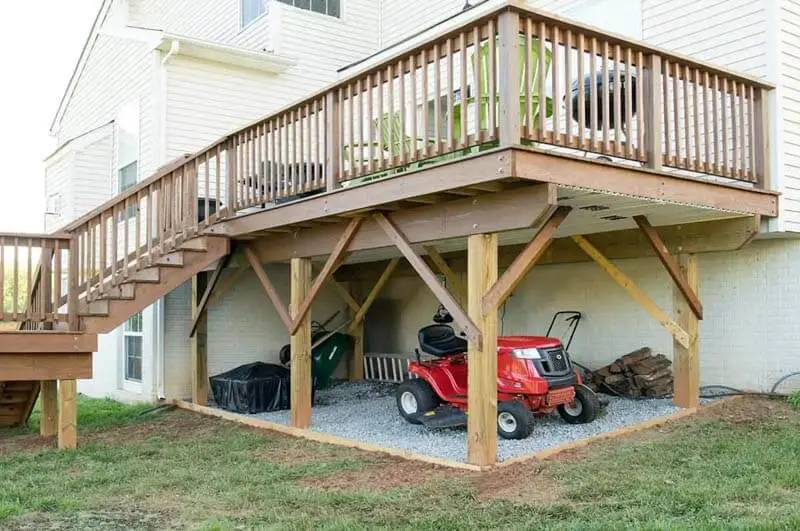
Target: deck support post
(67, 414)
(198, 341)
(482, 358)
(300, 345)
(355, 368)
(686, 360)
(654, 111)
(48, 425)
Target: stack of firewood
(639, 373)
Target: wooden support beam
(334, 260)
(459, 315)
(212, 283)
(670, 264)
(355, 366)
(373, 294)
(345, 295)
(482, 356)
(300, 345)
(268, 287)
(199, 340)
(454, 283)
(502, 289)
(680, 335)
(686, 359)
(48, 400)
(45, 366)
(67, 414)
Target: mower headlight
(527, 353)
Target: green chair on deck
(536, 98)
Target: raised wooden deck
(516, 128)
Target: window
(132, 345)
(325, 7)
(251, 10)
(127, 124)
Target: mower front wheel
(414, 397)
(514, 420)
(583, 410)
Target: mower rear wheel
(414, 397)
(583, 410)
(514, 420)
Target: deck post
(686, 360)
(761, 125)
(300, 345)
(67, 414)
(508, 83)
(199, 342)
(355, 368)
(48, 425)
(482, 373)
(653, 112)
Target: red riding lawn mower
(534, 378)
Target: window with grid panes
(132, 337)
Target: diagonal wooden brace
(280, 307)
(671, 264)
(373, 294)
(523, 263)
(334, 261)
(461, 318)
(680, 335)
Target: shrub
(794, 399)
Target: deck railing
(33, 276)
(510, 77)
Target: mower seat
(441, 340)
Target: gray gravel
(366, 411)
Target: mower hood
(515, 342)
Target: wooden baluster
(725, 134)
(555, 92)
(273, 160)
(319, 159)
(734, 129)
(379, 120)
(476, 83)
(462, 46)
(676, 116)
(29, 290)
(15, 281)
(437, 99)
(57, 255)
(425, 119)
(137, 224)
(667, 116)
(412, 66)
(72, 290)
(629, 139)
(103, 243)
(542, 80)
(359, 119)
(114, 244)
(707, 125)
(606, 100)
(581, 91)
(148, 230)
(492, 76)
(617, 101)
(450, 93)
(567, 87)
(715, 94)
(390, 117)
(641, 151)
(593, 97)
(742, 171)
(527, 81)
(125, 230)
(687, 118)
(305, 121)
(696, 102)
(401, 79)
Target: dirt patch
(384, 475)
(750, 410)
(529, 483)
(283, 449)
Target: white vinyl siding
(789, 104)
(92, 174)
(58, 184)
(177, 355)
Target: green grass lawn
(736, 466)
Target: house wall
(789, 102)
(58, 174)
(748, 338)
(242, 327)
(91, 171)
